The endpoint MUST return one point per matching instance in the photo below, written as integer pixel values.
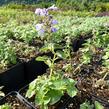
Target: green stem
(53, 60)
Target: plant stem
(52, 66)
(105, 75)
(78, 67)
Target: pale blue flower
(53, 29)
(54, 22)
(38, 10)
(41, 12)
(41, 32)
(39, 27)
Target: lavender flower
(41, 12)
(41, 32)
(39, 27)
(53, 29)
(48, 22)
(38, 10)
(53, 7)
(54, 22)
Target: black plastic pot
(34, 68)
(21, 74)
(13, 78)
(16, 96)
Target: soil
(15, 103)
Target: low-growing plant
(68, 67)
(5, 106)
(88, 105)
(7, 55)
(23, 51)
(99, 40)
(49, 60)
(48, 90)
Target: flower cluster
(46, 25)
(41, 12)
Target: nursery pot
(13, 78)
(34, 68)
(14, 99)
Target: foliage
(7, 55)
(5, 106)
(88, 105)
(23, 28)
(98, 105)
(23, 50)
(96, 50)
(49, 90)
(99, 40)
(77, 5)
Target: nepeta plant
(48, 60)
(67, 51)
(7, 55)
(88, 105)
(49, 88)
(46, 23)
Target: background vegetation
(78, 5)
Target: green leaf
(49, 63)
(1, 93)
(58, 46)
(31, 90)
(86, 105)
(72, 92)
(60, 54)
(59, 85)
(105, 57)
(71, 89)
(1, 87)
(46, 99)
(98, 105)
(45, 107)
(55, 96)
(42, 58)
(44, 49)
(39, 99)
(47, 47)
